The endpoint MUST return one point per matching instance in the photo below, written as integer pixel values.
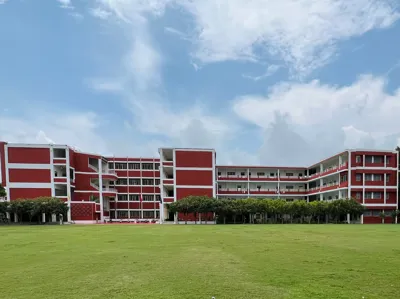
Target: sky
(271, 82)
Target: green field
(188, 261)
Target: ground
(188, 261)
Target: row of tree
(33, 209)
(269, 210)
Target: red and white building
(97, 188)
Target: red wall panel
(82, 181)
(82, 162)
(83, 211)
(17, 193)
(200, 159)
(84, 196)
(71, 158)
(194, 178)
(29, 155)
(29, 175)
(2, 163)
(183, 192)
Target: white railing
(94, 186)
(109, 189)
(93, 167)
(108, 171)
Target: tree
(3, 192)
(382, 215)
(394, 214)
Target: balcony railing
(107, 189)
(94, 186)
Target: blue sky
(274, 82)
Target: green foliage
(3, 192)
(277, 210)
(34, 208)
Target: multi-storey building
(98, 188)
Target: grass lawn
(187, 261)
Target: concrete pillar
(15, 217)
(44, 217)
(362, 219)
(53, 218)
(348, 218)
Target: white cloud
(303, 33)
(79, 129)
(272, 69)
(318, 119)
(3, 1)
(66, 4)
(100, 13)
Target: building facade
(98, 188)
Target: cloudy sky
(282, 82)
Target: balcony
(109, 175)
(228, 192)
(292, 178)
(168, 163)
(263, 179)
(262, 192)
(168, 182)
(109, 191)
(293, 191)
(232, 178)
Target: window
(387, 178)
(133, 197)
(358, 195)
(112, 214)
(387, 195)
(343, 178)
(289, 174)
(157, 166)
(59, 153)
(369, 159)
(219, 186)
(148, 166)
(239, 188)
(376, 195)
(243, 174)
(260, 174)
(157, 182)
(231, 173)
(358, 159)
(121, 166)
(122, 182)
(376, 213)
(259, 188)
(289, 187)
(134, 165)
(368, 177)
(377, 177)
(110, 165)
(71, 174)
(134, 182)
(358, 177)
(387, 160)
(147, 197)
(378, 159)
(158, 197)
(148, 214)
(122, 197)
(368, 213)
(272, 174)
(135, 214)
(219, 173)
(148, 182)
(122, 214)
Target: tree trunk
(195, 218)
(224, 219)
